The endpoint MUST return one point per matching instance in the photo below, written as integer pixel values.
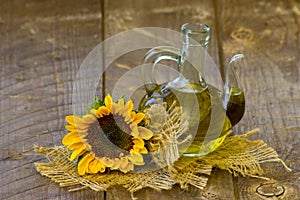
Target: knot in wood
(242, 34)
(270, 190)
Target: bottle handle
(154, 56)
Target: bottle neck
(195, 39)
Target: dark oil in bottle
(235, 107)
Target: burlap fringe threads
(237, 154)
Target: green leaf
(82, 156)
(95, 105)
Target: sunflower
(108, 137)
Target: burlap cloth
(237, 154)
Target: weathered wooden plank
(43, 43)
(129, 14)
(42, 46)
(268, 34)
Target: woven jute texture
(237, 154)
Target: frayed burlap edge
(241, 156)
(237, 154)
(60, 170)
(63, 171)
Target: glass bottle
(211, 112)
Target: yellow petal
(128, 118)
(130, 167)
(139, 143)
(120, 110)
(88, 147)
(144, 133)
(84, 163)
(136, 158)
(70, 119)
(88, 119)
(77, 128)
(115, 108)
(77, 145)
(116, 163)
(125, 113)
(104, 110)
(132, 115)
(74, 119)
(125, 165)
(127, 168)
(134, 130)
(106, 161)
(124, 162)
(139, 150)
(70, 128)
(70, 138)
(135, 149)
(143, 150)
(97, 113)
(138, 117)
(121, 102)
(76, 153)
(93, 166)
(108, 102)
(129, 105)
(100, 167)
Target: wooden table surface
(42, 44)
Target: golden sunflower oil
(197, 103)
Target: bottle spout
(231, 77)
(233, 98)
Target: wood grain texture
(44, 42)
(42, 46)
(268, 34)
(129, 14)
(219, 187)
(125, 15)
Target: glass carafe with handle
(211, 111)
